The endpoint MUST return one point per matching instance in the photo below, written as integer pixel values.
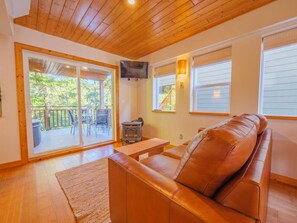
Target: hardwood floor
(282, 204)
(31, 193)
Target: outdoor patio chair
(102, 119)
(73, 122)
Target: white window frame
(156, 93)
(261, 84)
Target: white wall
(6, 23)
(9, 131)
(244, 34)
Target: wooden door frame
(19, 47)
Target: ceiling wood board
(131, 31)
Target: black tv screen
(134, 69)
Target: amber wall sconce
(181, 70)
(182, 67)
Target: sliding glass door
(69, 104)
(96, 103)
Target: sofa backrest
(247, 191)
(217, 153)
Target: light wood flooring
(31, 193)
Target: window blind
(279, 86)
(212, 57)
(211, 87)
(165, 70)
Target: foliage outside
(53, 96)
(167, 95)
(54, 90)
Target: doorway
(69, 104)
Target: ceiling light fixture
(131, 2)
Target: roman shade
(280, 39)
(279, 74)
(212, 57)
(165, 70)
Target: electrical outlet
(181, 85)
(181, 136)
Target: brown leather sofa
(210, 182)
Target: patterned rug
(86, 188)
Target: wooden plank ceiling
(132, 31)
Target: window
(279, 74)
(164, 89)
(211, 78)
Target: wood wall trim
(281, 117)
(63, 55)
(69, 151)
(284, 179)
(117, 80)
(10, 164)
(19, 47)
(21, 102)
(210, 113)
(163, 111)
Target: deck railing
(167, 103)
(55, 117)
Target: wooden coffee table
(151, 146)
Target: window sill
(163, 111)
(281, 117)
(210, 113)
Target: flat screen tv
(133, 69)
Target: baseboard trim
(54, 154)
(10, 164)
(284, 179)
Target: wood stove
(132, 131)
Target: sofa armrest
(251, 182)
(140, 194)
(199, 130)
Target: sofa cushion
(163, 164)
(216, 154)
(176, 152)
(259, 120)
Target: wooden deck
(62, 138)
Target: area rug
(86, 188)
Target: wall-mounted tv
(133, 69)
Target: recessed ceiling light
(85, 68)
(68, 66)
(131, 2)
